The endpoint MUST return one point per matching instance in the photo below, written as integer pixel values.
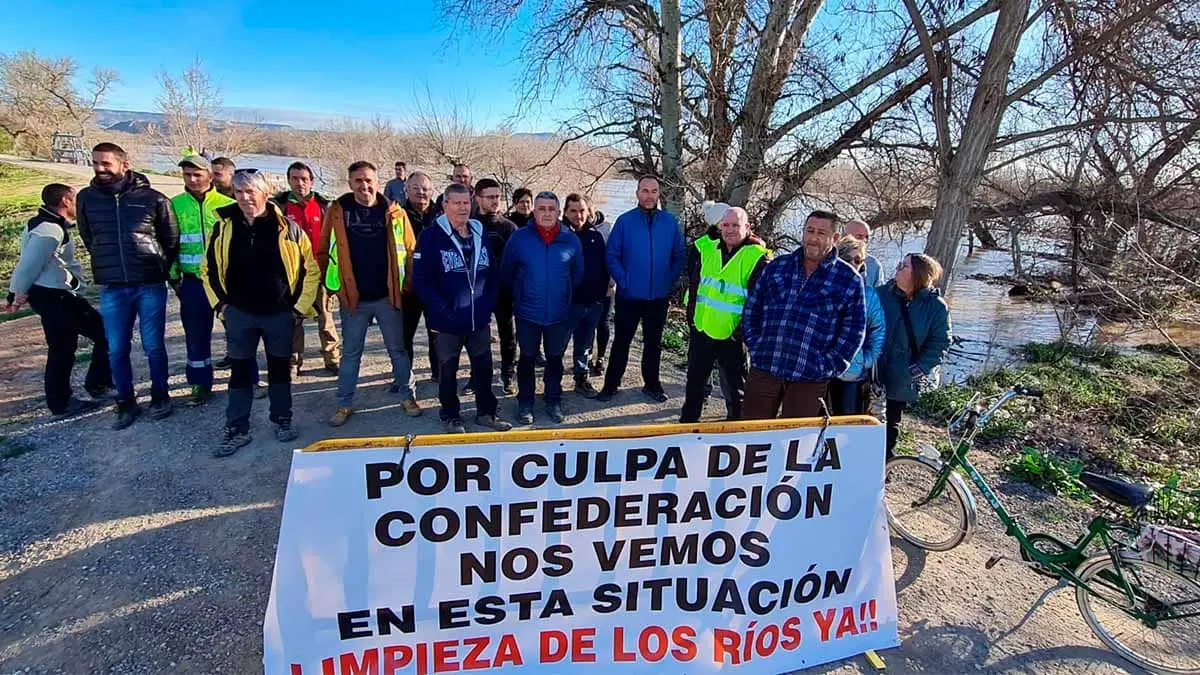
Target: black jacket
(129, 230)
(417, 221)
(518, 219)
(594, 287)
(497, 229)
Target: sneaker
(260, 390)
(455, 426)
(411, 408)
(555, 413)
(127, 414)
(606, 395)
(585, 389)
(340, 416)
(524, 416)
(161, 409)
(507, 386)
(467, 388)
(222, 362)
(100, 393)
(230, 442)
(331, 367)
(200, 396)
(492, 422)
(285, 432)
(656, 395)
(76, 407)
(596, 368)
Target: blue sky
(303, 55)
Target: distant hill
(139, 121)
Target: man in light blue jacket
(646, 255)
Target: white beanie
(714, 211)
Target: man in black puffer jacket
(131, 234)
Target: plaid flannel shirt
(805, 328)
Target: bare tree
(192, 105)
(39, 96)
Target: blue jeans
(354, 337)
(119, 306)
(197, 317)
(529, 337)
(585, 319)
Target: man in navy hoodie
(587, 303)
(544, 265)
(458, 282)
(645, 257)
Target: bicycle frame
(1069, 556)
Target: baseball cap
(198, 161)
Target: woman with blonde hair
(918, 335)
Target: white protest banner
(748, 552)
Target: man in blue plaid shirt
(803, 323)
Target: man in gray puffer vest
(48, 278)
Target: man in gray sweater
(48, 277)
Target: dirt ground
(137, 552)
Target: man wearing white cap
(722, 268)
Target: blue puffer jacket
(646, 254)
(931, 323)
(868, 354)
(453, 304)
(543, 277)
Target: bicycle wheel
(938, 525)
(1173, 644)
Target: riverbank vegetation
(1131, 414)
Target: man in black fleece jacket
(587, 302)
(498, 229)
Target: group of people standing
(786, 333)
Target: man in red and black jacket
(307, 209)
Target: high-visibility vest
(196, 222)
(333, 277)
(722, 292)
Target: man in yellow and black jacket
(260, 274)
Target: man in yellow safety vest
(365, 257)
(196, 212)
(722, 268)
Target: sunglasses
(250, 171)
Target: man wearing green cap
(195, 211)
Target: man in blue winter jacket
(544, 265)
(645, 257)
(458, 283)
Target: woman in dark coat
(913, 348)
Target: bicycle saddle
(1118, 491)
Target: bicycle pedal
(993, 561)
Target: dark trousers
(728, 355)
(65, 316)
(532, 337)
(242, 332)
(196, 315)
(603, 329)
(652, 314)
(849, 398)
(585, 320)
(508, 336)
(412, 307)
(895, 409)
(479, 353)
(765, 394)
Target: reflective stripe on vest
(195, 225)
(722, 292)
(333, 275)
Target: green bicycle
(1140, 600)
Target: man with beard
(498, 229)
(131, 234)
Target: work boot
(161, 408)
(555, 413)
(524, 416)
(411, 407)
(231, 440)
(331, 367)
(492, 422)
(285, 432)
(585, 389)
(127, 414)
(454, 426)
(200, 396)
(656, 395)
(340, 416)
(606, 395)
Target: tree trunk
(671, 107)
(959, 180)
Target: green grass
(1048, 473)
(20, 195)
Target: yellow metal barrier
(582, 433)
